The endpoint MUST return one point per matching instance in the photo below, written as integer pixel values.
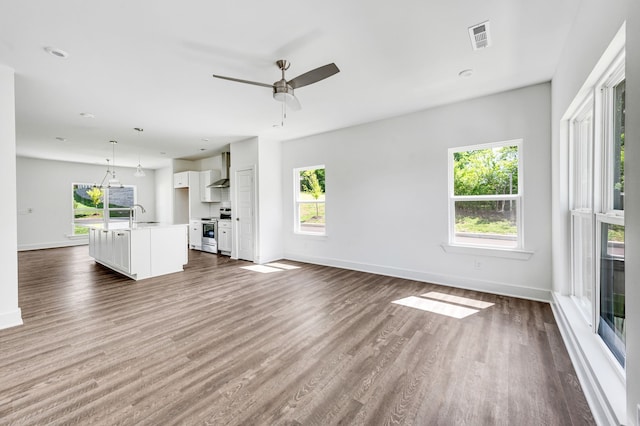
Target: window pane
(487, 171)
(486, 223)
(612, 292)
(312, 217)
(87, 207)
(618, 146)
(583, 161)
(120, 202)
(582, 261)
(311, 185)
(310, 200)
(121, 197)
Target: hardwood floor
(218, 344)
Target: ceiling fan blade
(293, 103)
(313, 76)
(255, 83)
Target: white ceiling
(148, 63)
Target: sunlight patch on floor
(436, 307)
(261, 268)
(282, 266)
(457, 299)
(270, 267)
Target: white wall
(44, 186)
(270, 196)
(10, 314)
(632, 207)
(594, 28)
(164, 194)
(386, 182)
(244, 155)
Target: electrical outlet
(477, 264)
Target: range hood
(223, 182)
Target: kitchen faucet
(132, 214)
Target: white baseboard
(486, 286)
(11, 318)
(602, 385)
(54, 244)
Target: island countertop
(124, 225)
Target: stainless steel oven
(209, 236)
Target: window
(581, 152)
(485, 195)
(596, 138)
(89, 205)
(309, 190)
(611, 320)
(121, 199)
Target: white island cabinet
(141, 251)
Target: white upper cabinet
(181, 180)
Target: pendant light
(139, 172)
(110, 176)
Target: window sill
(487, 251)
(77, 237)
(310, 234)
(602, 377)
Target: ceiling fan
(283, 89)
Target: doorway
(245, 213)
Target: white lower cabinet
(121, 255)
(195, 234)
(224, 236)
(140, 253)
(104, 249)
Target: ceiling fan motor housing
(281, 89)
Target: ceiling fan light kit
(283, 89)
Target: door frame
(254, 202)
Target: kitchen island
(139, 250)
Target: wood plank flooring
(218, 345)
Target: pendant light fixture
(110, 175)
(139, 172)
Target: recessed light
(465, 73)
(61, 139)
(204, 140)
(87, 115)
(59, 53)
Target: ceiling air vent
(480, 36)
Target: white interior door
(245, 217)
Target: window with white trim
(485, 195)
(92, 204)
(309, 196)
(596, 152)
